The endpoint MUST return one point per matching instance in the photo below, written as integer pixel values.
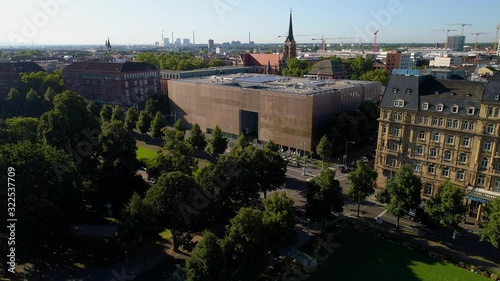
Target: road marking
(383, 213)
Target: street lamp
(126, 260)
(345, 156)
(174, 114)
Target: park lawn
(362, 256)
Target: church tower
(290, 50)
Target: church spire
(290, 29)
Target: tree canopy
(361, 182)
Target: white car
(365, 159)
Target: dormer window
(425, 106)
(399, 103)
(471, 110)
(408, 91)
(439, 107)
(395, 90)
(496, 97)
(454, 109)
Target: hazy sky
(142, 22)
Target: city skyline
(400, 21)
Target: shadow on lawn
(366, 255)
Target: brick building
(127, 84)
(9, 75)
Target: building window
(450, 139)
(496, 111)
(428, 189)
(434, 121)
(460, 175)
(449, 123)
(399, 103)
(394, 146)
(420, 120)
(395, 132)
(484, 162)
(439, 107)
(480, 180)
(466, 141)
(433, 153)
(397, 116)
(425, 106)
(489, 129)
(126, 84)
(454, 109)
(135, 83)
(418, 167)
(497, 185)
(487, 146)
(471, 125)
(462, 158)
(490, 111)
(435, 137)
(431, 169)
(419, 150)
(455, 123)
(465, 125)
(395, 90)
(408, 91)
(421, 135)
(496, 97)
(392, 162)
(87, 82)
(440, 122)
(445, 172)
(447, 155)
(427, 120)
(470, 110)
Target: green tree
(403, 192)
(207, 262)
(106, 112)
(68, 123)
(117, 114)
(48, 98)
(242, 141)
(490, 231)
(131, 118)
(296, 68)
(324, 196)
(176, 155)
(324, 149)
(151, 107)
(279, 219)
(21, 128)
(144, 122)
(15, 102)
(361, 183)
(216, 62)
(377, 75)
(271, 146)
(245, 242)
(33, 104)
(178, 126)
(197, 138)
(447, 207)
(358, 66)
(136, 220)
(92, 108)
(168, 200)
(217, 143)
(157, 124)
(269, 168)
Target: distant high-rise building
(456, 42)
(177, 41)
(290, 50)
(210, 44)
(186, 41)
(166, 42)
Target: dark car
(342, 169)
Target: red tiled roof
(261, 59)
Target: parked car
(342, 169)
(364, 159)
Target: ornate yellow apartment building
(445, 129)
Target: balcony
(396, 138)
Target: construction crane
(375, 41)
(446, 39)
(477, 35)
(323, 39)
(462, 24)
(496, 39)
